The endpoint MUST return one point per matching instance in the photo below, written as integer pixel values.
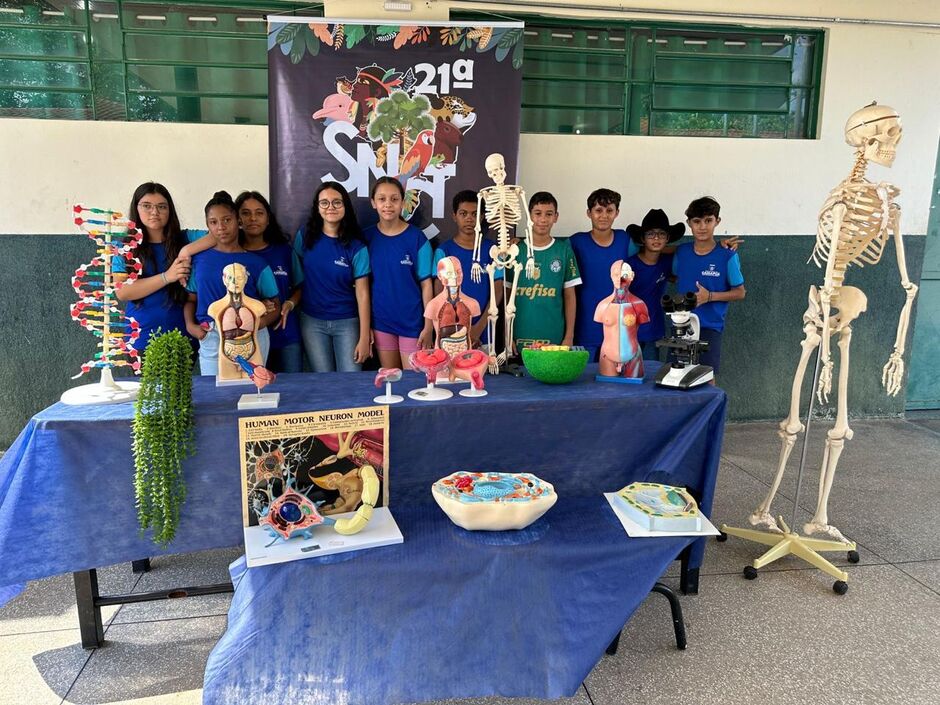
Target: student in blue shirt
(401, 259)
(461, 247)
(596, 251)
(261, 234)
(652, 270)
(335, 318)
(713, 273)
(156, 298)
(205, 283)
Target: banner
(351, 101)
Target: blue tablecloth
(447, 614)
(66, 484)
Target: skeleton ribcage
(862, 237)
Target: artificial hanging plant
(163, 434)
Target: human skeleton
(506, 206)
(855, 224)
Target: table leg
(89, 613)
(688, 577)
(678, 623)
(141, 566)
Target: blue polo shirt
(205, 280)
(649, 283)
(156, 310)
(594, 263)
(286, 270)
(399, 264)
(330, 270)
(719, 270)
(479, 291)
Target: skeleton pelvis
(847, 304)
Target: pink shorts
(390, 341)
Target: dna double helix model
(96, 283)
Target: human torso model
(451, 312)
(505, 209)
(856, 222)
(236, 318)
(621, 315)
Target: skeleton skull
(496, 168)
(876, 130)
(235, 276)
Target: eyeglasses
(150, 207)
(656, 234)
(335, 205)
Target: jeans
(330, 344)
(209, 350)
(289, 358)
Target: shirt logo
(279, 271)
(407, 260)
(341, 262)
(556, 265)
(710, 272)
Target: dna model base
(107, 391)
(430, 393)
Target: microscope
(682, 370)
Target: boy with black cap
(652, 269)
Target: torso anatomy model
(236, 319)
(856, 222)
(621, 314)
(506, 207)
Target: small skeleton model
(621, 314)
(856, 222)
(236, 318)
(451, 312)
(506, 207)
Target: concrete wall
(768, 188)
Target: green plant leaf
(517, 55)
(509, 38)
(288, 33)
(354, 35)
(313, 44)
(299, 45)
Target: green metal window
(201, 61)
(641, 79)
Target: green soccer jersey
(540, 306)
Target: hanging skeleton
(506, 207)
(855, 224)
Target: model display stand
(855, 224)
(470, 366)
(386, 376)
(658, 507)
(503, 207)
(555, 364)
(97, 309)
(262, 377)
(493, 501)
(621, 315)
(429, 363)
(682, 370)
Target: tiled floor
(785, 638)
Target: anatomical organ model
(856, 222)
(506, 207)
(236, 319)
(621, 314)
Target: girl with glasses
(261, 234)
(155, 300)
(333, 290)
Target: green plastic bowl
(555, 366)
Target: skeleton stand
(789, 542)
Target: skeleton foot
(764, 520)
(817, 530)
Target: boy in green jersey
(545, 302)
